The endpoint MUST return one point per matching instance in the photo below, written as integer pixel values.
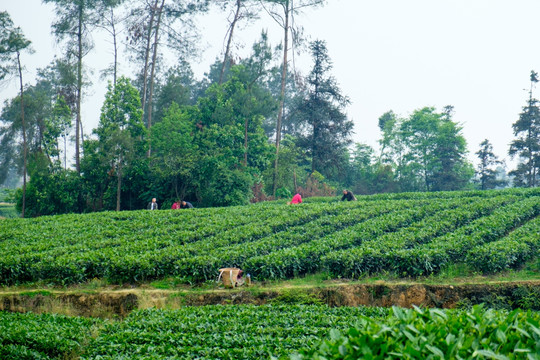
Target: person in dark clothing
(186, 205)
(152, 205)
(348, 195)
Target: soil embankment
(120, 302)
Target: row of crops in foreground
(8, 211)
(408, 234)
(250, 332)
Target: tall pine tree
(527, 144)
(327, 129)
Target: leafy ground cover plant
(284, 331)
(435, 334)
(33, 336)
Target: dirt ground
(119, 302)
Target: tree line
(250, 130)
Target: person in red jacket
(176, 205)
(297, 199)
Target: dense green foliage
(436, 334)
(208, 332)
(408, 234)
(448, 237)
(426, 151)
(251, 332)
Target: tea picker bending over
(348, 195)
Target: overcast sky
(397, 55)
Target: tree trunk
(152, 72)
(82, 135)
(79, 92)
(314, 150)
(531, 161)
(281, 96)
(147, 55)
(25, 145)
(58, 153)
(294, 179)
(229, 40)
(246, 142)
(65, 152)
(118, 185)
(483, 172)
(115, 66)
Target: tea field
(286, 332)
(411, 234)
(408, 235)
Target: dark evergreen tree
(487, 175)
(283, 12)
(527, 144)
(321, 108)
(177, 88)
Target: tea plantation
(407, 234)
(250, 332)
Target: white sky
(397, 55)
